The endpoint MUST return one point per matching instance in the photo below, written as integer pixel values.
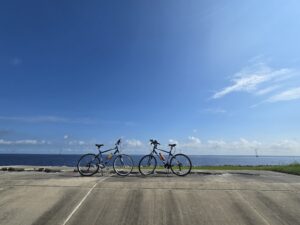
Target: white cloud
(267, 90)
(76, 142)
(45, 142)
(172, 141)
(16, 61)
(192, 142)
(190, 145)
(72, 142)
(242, 146)
(66, 136)
(245, 144)
(81, 142)
(133, 143)
(286, 144)
(4, 142)
(241, 84)
(291, 94)
(250, 79)
(22, 142)
(217, 143)
(46, 119)
(31, 142)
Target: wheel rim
(147, 165)
(123, 165)
(88, 165)
(181, 165)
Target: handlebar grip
(154, 142)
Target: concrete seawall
(219, 197)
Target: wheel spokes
(181, 165)
(123, 165)
(88, 165)
(147, 165)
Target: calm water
(71, 160)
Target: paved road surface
(221, 198)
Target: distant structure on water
(256, 152)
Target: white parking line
(82, 200)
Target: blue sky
(217, 77)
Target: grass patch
(293, 168)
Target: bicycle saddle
(99, 145)
(172, 145)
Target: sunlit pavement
(208, 197)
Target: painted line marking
(83, 199)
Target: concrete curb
(30, 169)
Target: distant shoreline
(79, 154)
(197, 160)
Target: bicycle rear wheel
(123, 165)
(181, 164)
(88, 165)
(147, 165)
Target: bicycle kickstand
(168, 171)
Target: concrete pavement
(215, 197)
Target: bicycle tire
(148, 159)
(121, 157)
(185, 162)
(95, 161)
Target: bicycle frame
(100, 154)
(166, 162)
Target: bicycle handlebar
(154, 142)
(118, 141)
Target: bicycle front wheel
(123, 165)
(147, 165)
(181, 164)
(88, 165)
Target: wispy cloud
(133, 143)
(291, 94)
(173, 141)
(23, 142)
(47, 119)
(189, 145)
(251, 79)
(36, 119)
(192, 142)
(16, 61)
(267, 90)
(241, 146)
(77, 142)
